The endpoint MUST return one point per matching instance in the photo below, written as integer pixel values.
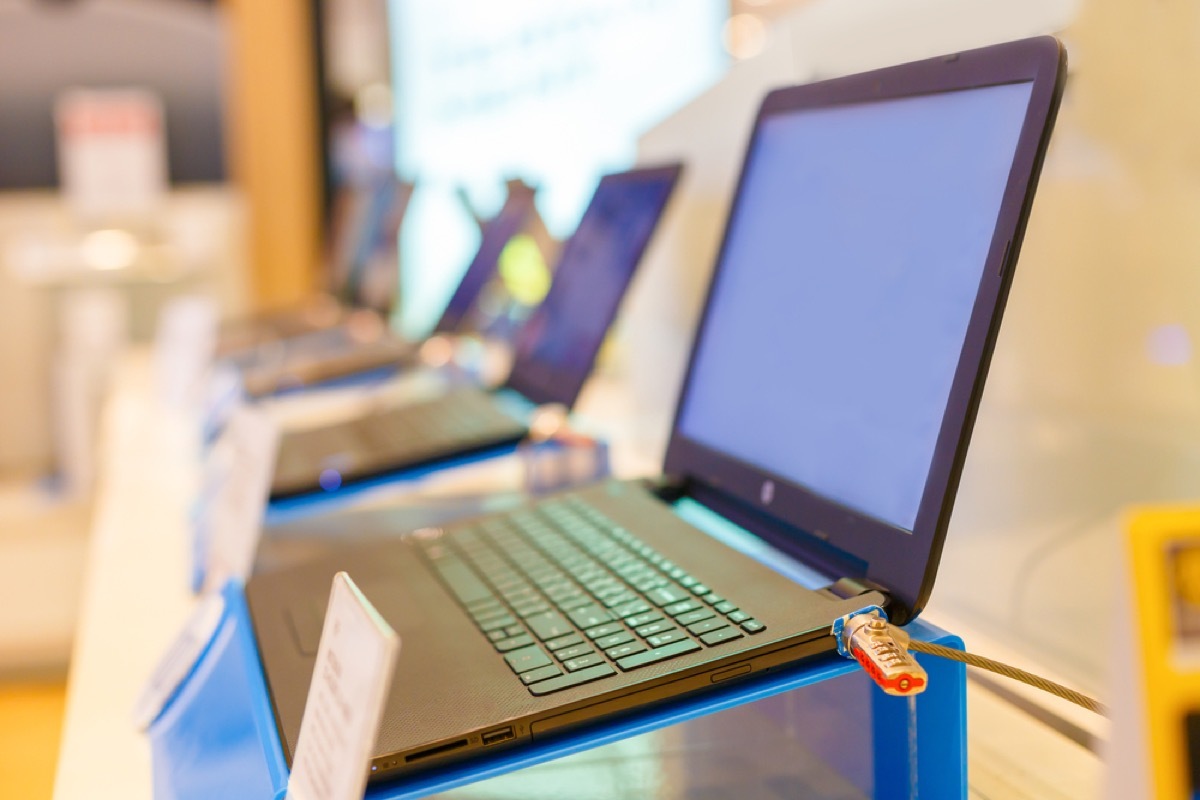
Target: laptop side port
(497, 736)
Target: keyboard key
(572, 679)
(682, 607)
(687, 581)
(512, 643)
(564, 641)
(526, 610)
(692, 617)
(489, 613)
(549, 625)
(526, 658)
(540, 674)
(713, 598)
(708, 625)
(497, 622)
(483, 605)
(631, 608)
(666, 595)
(590, 616)
(639, 620)
(658, 654)
(725, 607)
(514, 630)
(572, 603)
(666, 637)
(738, 616)
(752, 626)
(583, 662)
(567, 653)
(607, 629)
(497, 635)
(620, 651)
(699, 589)
(644, 585)
(606, 642)
(656, 627)
(721, 635)
(622, 598)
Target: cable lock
(882, 649)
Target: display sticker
(177, 662)
(356, 659)
(232, 527)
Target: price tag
(225, 393)
(111, 152)
(356, 659)
(233, 525)
(184, 345)
(179, 659)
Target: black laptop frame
(543, 384)
(901, 563)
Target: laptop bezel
(546, 383)
(901, 562)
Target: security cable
(882, 650)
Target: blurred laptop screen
(850, 269)
(559, 342)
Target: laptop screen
(499, 230)
(559, 342)
(850, 270)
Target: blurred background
(245, 117)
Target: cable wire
(1036, 681)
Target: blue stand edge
(216, 736)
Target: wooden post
(273, 144)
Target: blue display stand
(216, 736)
(321, 502)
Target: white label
(185, 343)
(247, 449)
(355, 662)
(224, 393)
(179, 659)
(112, 153)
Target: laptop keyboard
(566, 596)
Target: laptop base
(858, 736)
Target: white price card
(177, 662)
(355, 663)
(111, 152)
(248, 448)
(223, 394)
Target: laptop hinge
(847, 588)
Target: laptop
(363, 218)
(358, 342)
(552, 357)
(825, 414)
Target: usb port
(497, 736)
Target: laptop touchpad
(401, 611)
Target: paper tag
(179, 659)
(111, 152)
(233, 525)
(185, 343)
(355, 663)
(218, 463)
(225, 392)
